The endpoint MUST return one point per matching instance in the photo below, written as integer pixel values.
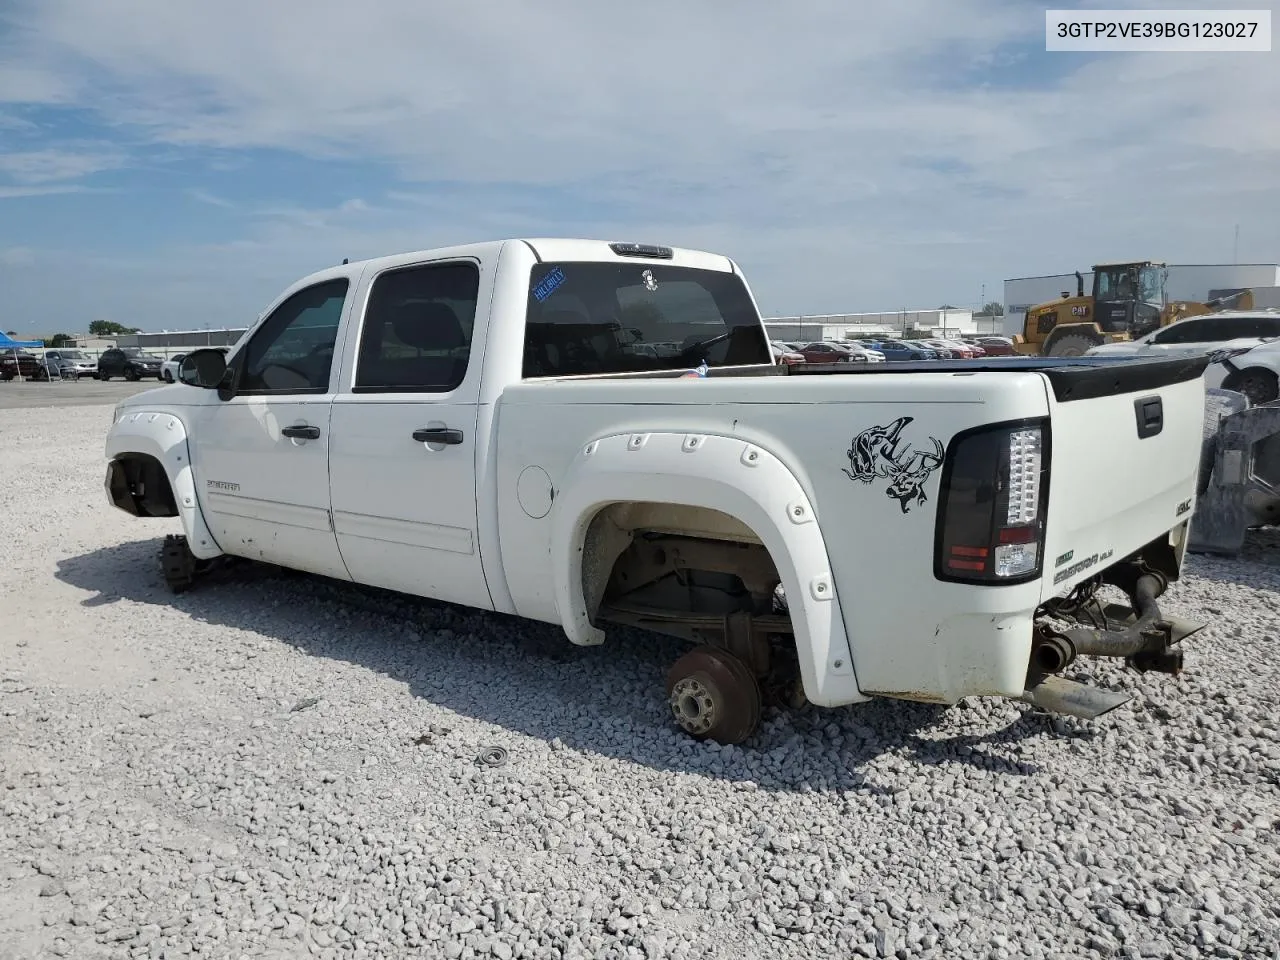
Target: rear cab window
(602, 318)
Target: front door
(403, 452)
(260, 458)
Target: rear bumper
(1024, 654)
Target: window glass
(1184, 331)
(1229, 328)
(418, 328)
(292, 351)
(585, 318)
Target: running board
(1060, 695)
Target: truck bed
(1072, 378)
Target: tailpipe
(1059, 695)
(1053, 653)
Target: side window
(292, 351)
(1234, 327)
(418, 329)
(1185, 331)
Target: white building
(938, 323)
(1187, 281)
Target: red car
(996, 346)
(823, 351)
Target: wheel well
(690, 572)
(1238, 375)
(148, 485)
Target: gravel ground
(276, 766)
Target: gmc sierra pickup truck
(590, 433)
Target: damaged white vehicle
(590, 433)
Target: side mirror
(203, 368)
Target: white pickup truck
(590, 433)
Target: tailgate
(1125, 455)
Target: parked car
(132, 363)
(872, 355)
(67, 363)
(1199, 335)
(899, 350)
(933, 352)
(19, 364)
(994, 346)
(784, 355)
(953, 349)
(825, 351)
(1251, 370)
(918, 545)
(169, 369)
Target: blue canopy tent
(13, 346)
(7, 344)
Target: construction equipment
(1128, 301)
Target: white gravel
(166, 790)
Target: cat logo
(1080, 311)
(1183, 507)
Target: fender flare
(720, 473)
(163, 436)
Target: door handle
(301, 433)
(437, 435)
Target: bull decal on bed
(880, 453)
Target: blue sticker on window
(548, 284)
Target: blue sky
(172, 165)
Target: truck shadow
(525, 676)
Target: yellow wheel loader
(1128, 301)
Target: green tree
(109, 328)
(61, 340)
(994, 309)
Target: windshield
(138, 352)
(71, 355)
(1151, 281)
(585, 318)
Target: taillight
(994, 492)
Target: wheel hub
(692, 705)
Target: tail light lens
(994, 492)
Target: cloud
(204, 196)
(48, 190)
(52, 165)
(852, 156)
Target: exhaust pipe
(1060, 695)
(1053, 654)
(1142, 636)
(1148, 642)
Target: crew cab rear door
(403, 459)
